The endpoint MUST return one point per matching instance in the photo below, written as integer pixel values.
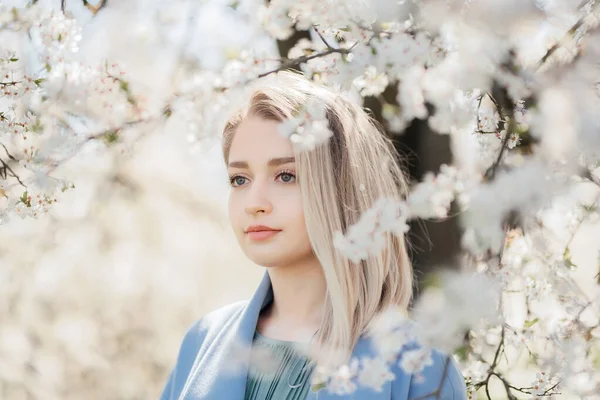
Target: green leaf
(67, 187)
(111, 136)
(124, 85)
(589, 208)
(37, 127)
(318, 386)
(595, 356)
(13, 59)
(567, 259)
(462, 352)
(390, 109)
(432, 280)
(25, 199)
(529, 324)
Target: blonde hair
(339, 180)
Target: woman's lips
(262, 235)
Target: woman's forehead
(258, 139)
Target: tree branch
(510, 128)
(5, 167)
(10, 156)
(507, 386)
(297, 61)
(437, 392)
(322, 38)
(95, 9)
(569, 33)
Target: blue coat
(203, 371)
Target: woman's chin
(268, 260)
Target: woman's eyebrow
(273, 162)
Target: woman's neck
(298, 298)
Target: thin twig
(509, 129)
(437, 392)
(6, 167)
(589, 175)
(569, 33)
(322, 38)
(507, 387)
(547, 391)
(297, 61)
(95, 9)
(491, 372)
(10, 156)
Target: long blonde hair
(338, 181)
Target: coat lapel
(221, 371)
(241, 342)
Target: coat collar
(243, 336)
(227, 384)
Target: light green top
(277, 371)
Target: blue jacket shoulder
(196, 336)
(440, 380)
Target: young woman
(285, 205)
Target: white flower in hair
(309, 128)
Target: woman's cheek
(234, 213)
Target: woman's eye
(237, 180)
(287, 177)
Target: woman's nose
(258, 200)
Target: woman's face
(265, 206)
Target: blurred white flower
(443, 315)
(415, 360)
(341, 382)
(432, 197)
(410, 94)
(375, 372)
(310, 128)
(367, 236)
(372, 82)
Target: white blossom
(463, 302)
(367, 236)
(415, 360)
(342, 379)
(432, 197)
(310, 128)
(371, 83)
(375, 372)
